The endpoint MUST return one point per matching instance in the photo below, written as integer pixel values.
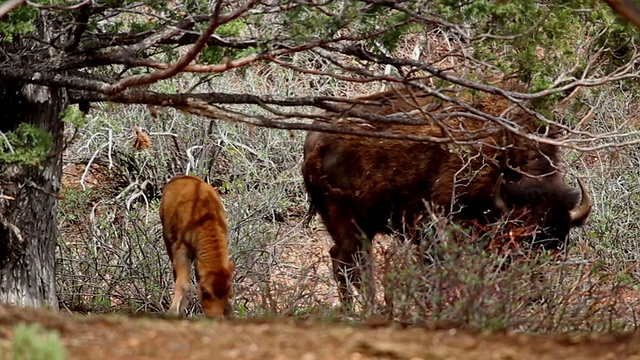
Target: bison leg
(363, 273)
(343, 273)
(181, 271)
(347, 249)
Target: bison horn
(498, 201)
(579, 213)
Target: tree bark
(28, 205)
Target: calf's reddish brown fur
(194, 227)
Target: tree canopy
(121, 51)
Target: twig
(7, 142)
(110, 149)
(88, 166)
(43, 190)
(137, 194)
(192, 161)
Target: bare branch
(144, 44)
(344, 57)
(342, 106)
(214, 22)
(231, 64)
(81, 23)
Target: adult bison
(362, 186)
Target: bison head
(547, 206)
(214, 290)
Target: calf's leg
(181, 271)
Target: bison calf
(194, 228)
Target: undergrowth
(31, 342)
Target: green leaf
(28, 144)
(17, 23)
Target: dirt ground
(121, 337)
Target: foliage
(73, 116)
(26, 145)
(515, 35)
(545, 46)
(31, 342)
(231, 28)
(17, 23)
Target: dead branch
(229, 64)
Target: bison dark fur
(362, 186)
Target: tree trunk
(28, 208)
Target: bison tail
(312, 198)
(314, 181)
(310, 214)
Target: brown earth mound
(121, 337)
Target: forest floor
(142, 337)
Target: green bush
(32, 342)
